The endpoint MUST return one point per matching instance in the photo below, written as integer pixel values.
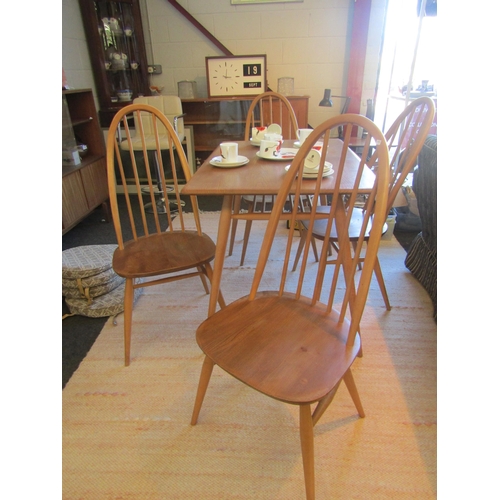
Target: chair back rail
(339, 212)
(272, 108)
(130, 167)
(405, 139)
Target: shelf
(87, 160)
(218, 119)
(84, 186)
(80, 121)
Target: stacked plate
(218, 161)
(284, 154)
(309, 173)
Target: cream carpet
(126, 431)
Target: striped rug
(126, 431)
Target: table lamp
(328, 103)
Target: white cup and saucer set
(312, 164)
(270, 148)
(229, 157)
(302, 135)
(259, 133)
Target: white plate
(317, 146)
(216, 161)
(285, 155)
(255, 142)
(326, 172)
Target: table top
(261, 176)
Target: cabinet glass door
(121, 53)
(117, 51)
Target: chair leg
(234, 224)
(203, 279)
(128, 306)
(220, 298)
(300, 248)
(351, 387)
(246, 237)
(381, 283)
(315, 250)
(307, 445)
(323, 404)
(354, 246)
(206, 373)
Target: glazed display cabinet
(117, 51)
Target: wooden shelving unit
(84, 186)
(217, 119)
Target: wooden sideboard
(223, 119)
(84, 186)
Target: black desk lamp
(328, 103)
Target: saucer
(274, 128)
(317, 146)
(285, 154)
(217, 162)
(328, 170)
(255, 142)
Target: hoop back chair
(171, 107)
(294, 343)
(148, 244)
(405, 139)
(265, 109)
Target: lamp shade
(327, 100)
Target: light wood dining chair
(405, 139)
(148, 245)
(265, 109)
(171, 107)
(296, 343)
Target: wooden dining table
(262, 177)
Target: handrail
(200, 27)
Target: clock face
(226, 77)
(236, 75)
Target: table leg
(220, 250)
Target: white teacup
(229, 152)
(269, 149)
(303, 134)
(273, 137)
(311, 161)
(258, 133)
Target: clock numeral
(252, 69)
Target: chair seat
(163, 253)
(87, 260)
(108, 304)
(283, 347)
(319, 228)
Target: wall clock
(236, 75)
